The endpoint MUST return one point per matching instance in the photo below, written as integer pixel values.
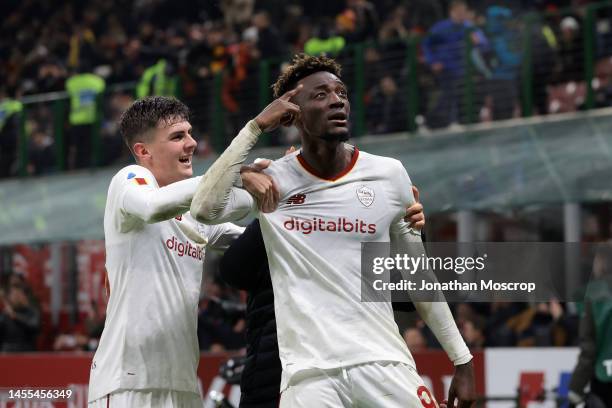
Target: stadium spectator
(498, 331)
(269, 41)
(19, 318)
(84, 89)
(113, 148)
(503, 83)
(127, 62)
(570, 66)
(221, 324)
(444, 49)
(41, 153)
(325, 40)
(296, 28)
(82, 51)
(10, 110)
(386, 108)
(472, 331)
(542, 325)
(237, 13)
(422, 14)
(158, 79)
(51, 76)
(603, 83)
(392, 46)
(373, 60)
(85, 336)
(544, 59)
(603, 33)
(360, 21)
(394, 28)
(208, 55)
(415, 340)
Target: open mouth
(185, 160)
(338, 118)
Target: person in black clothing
(19, 320)
(245, 266)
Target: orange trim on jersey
(343, 173)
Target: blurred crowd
(504, 324)
(182, 48)
(221, 323)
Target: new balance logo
(297, 199)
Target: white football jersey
(313, 242)
(154, 259)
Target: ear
(298, 122)
(141, 151)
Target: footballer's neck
(160, 178)
(327, 157)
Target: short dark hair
(455, 3)
(301, 66)
(147, 113)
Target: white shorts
(148, 399)
(370, 385)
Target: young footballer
(148, 354)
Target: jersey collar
(343, 173)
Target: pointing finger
(290, 94)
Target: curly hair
(302, 66)
(147, 113)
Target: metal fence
(507, 66)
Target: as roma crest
(365, 195)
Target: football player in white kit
(148, 354)
(335, 350)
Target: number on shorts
(425, 397)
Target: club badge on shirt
(365, 195)
(141, 181)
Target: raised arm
(152, 204)
(214, 191)
(215, 199)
